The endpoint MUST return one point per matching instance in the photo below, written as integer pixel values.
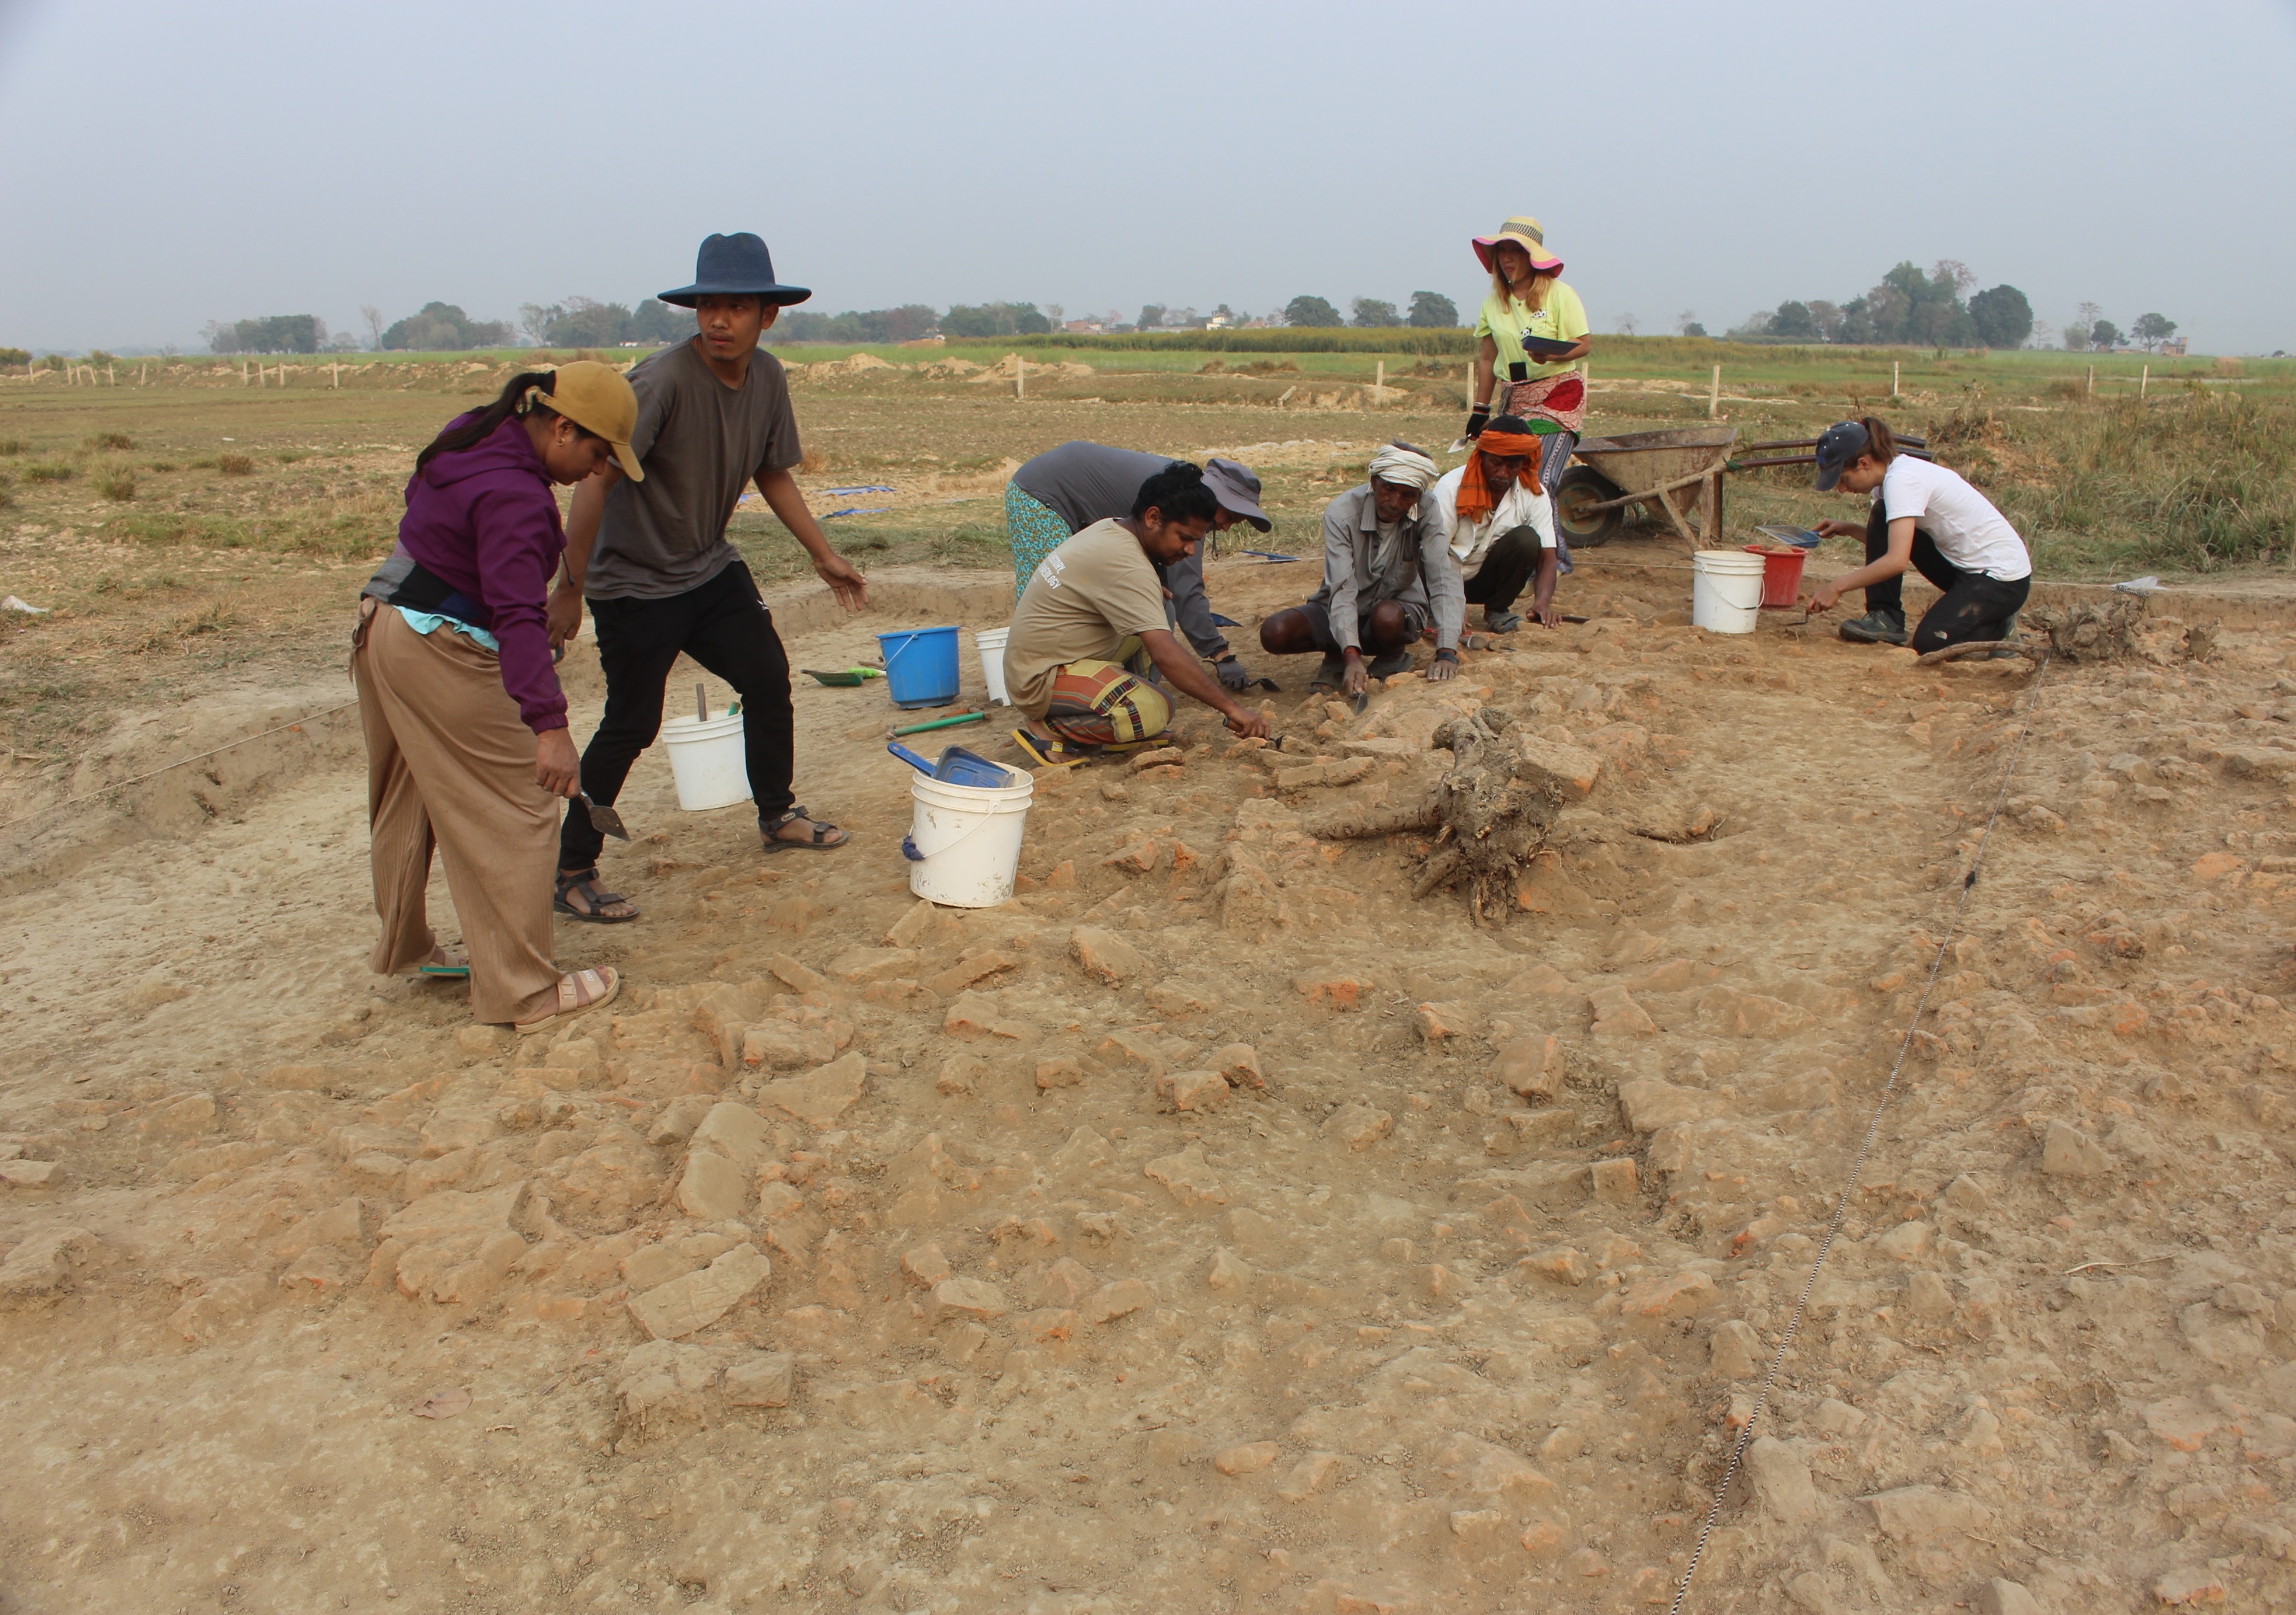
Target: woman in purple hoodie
(466, 741)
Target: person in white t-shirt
(1928, 518)
(1498, 523)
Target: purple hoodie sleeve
(518, 543)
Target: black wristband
(1446, 654)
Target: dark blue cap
(1837, 449)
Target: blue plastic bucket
(920, 667)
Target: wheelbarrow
(1671, 474)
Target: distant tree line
(273, 333)
(1907, 307)
(911, 322)
(1430, 311)
(583, 321)
(2089, 332)
(907, 324)
(442, 327)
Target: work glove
(1231, 674)
(1475, 421)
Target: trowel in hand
(605, 820)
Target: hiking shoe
(1328, 675)
(1500, 621)
(1877, 628)
(1390, 664)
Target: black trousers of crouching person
(724, 626)
(1972, 606)
(1508, 567)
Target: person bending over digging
(1499, 525)
(1927, 518)
(467, 750)
(652, 558)
(1387, 575)
(1095, 605)
(1064, 490)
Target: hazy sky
(169, 164)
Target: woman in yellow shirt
(1529, 338)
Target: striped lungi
(1104, 703)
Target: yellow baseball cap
(599, 398)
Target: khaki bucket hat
(1525, 232)
(598, 399)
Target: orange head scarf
(1475, 501)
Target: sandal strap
(586, 883)
(822, 828)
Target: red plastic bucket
(1781, 575)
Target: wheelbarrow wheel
(1576, 491)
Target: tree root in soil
(1365, 823)
(1493, 809)
(1496, 812)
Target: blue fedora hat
(735, 265)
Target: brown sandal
(770, 831)
(579, 991)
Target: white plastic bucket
(964, 844)
(1726, 591)
(709, 760)
(990, 644)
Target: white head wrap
(1404, 467)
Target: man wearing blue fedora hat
(652, 558)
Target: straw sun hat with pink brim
(1526, 233)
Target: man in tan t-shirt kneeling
(1094, 604)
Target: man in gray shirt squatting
(1065, 490)
(1387, 574)
(652, 561)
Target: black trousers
(724, 626)
(1973, 606)
(1508, 567)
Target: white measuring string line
(73, 801)
(1857, 1167)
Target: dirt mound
(851, 364)
(2078, 631)
(1008, 368)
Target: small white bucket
(964, 844)
(990, 644)
(1726, 591)
(709, 760)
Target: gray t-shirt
(1085, 482)
(702, 443)
(1088, 482)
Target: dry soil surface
(1213, 1227)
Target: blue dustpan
(958, 767)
